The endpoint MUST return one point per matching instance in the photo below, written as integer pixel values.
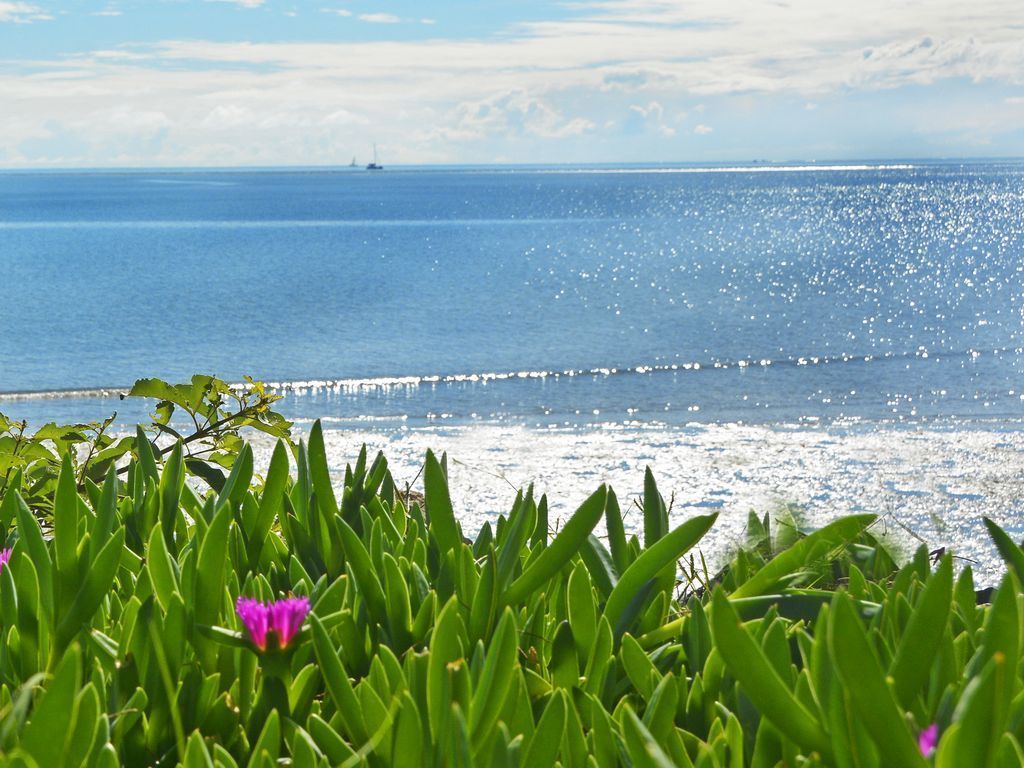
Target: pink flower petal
(286, 618)
(928, 739)
(282, 617)
(256, 617)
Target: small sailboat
(353, 164)
(374, 166)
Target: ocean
(786, 322)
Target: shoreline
(928, 484)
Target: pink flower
(5, 555)
(927, 740)
(282, 617)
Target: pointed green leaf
(652, 561)
(769, 693)
(439, 505)
(561, 550)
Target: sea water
(497, 311)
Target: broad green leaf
(865, 687)
(561, 550)
(644, 751)
(210, 573)
(652, 561)
(1010, 552)
(807, 550)
(922, 637)
(544, 747)
(161, 570)
(769, 693)
(54, 714)
(439, 505)
(495, 679)
(319, 472)
(94, 588)
(338, 685)
(65, 529)
(268, 742)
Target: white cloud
(702, 130)
(337, 11)
(107, 12)
(516, 113)
(379, 18)
(617, 65)
(22, 13)
(652, 116)
(428, 21)
(242, 3)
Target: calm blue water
(877, 294)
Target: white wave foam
(371, 383)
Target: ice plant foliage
(567, 650)
(282, 617)
(927, 740)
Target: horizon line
(740, 164)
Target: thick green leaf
(866, 689)
(65, 530)
(210, 569)
(32, 538)
(95, 587)
(338, 685)
(268, 742)
(981, 716)
(161, 570)
(54, 715)
(616, 533)
(319, 472)
(1010, 552)
(922, 637)
(652, 561)
(362, 570)
(644, 750)
(445, 648)
(805, 551)
(547, 739)
(171, 482)
(439, 505)
(495, 679)
(769, 693)
(561, 550)
(106, 514)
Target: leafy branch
(206, 415)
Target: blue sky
(122, 83)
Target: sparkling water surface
(846, 338)
(653, 295)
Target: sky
(144, 83)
